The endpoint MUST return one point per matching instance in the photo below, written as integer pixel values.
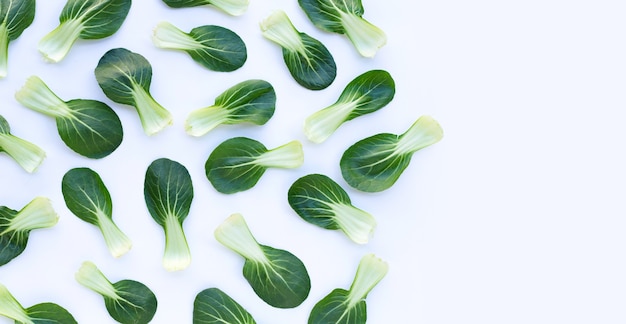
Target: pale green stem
(231, 7)
(365, 37)
(323, 123)
(117, 242)
(177, 255)
(278, 28)
(370, 272)
(357, 224)
(287, 156)
(4, 49)
(11, 308)
(28, 155)
(153, 116)
(203, 120)
(38, 213)
(166, 35)
(424, 132)
(56, 44)
(36, 95)
(234, 234)
(91, 277)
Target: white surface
(516, 216)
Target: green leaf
(28, 155)
(348, 306)
(15, 17)
(278, 277)
(88, 198)
(375, 163)
(127, 301)
(49, 313)
(85, 19)
(213, 306)
(88, 127)
(231, 7)
(251, 101)
(168, 192)
(125, 78)
(308, 60)
(320, 201)
(238, 163)
(15, 226)
(346, 17)
(365, 94)
(214, 47)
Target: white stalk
(357, 224)
(177, 255)
(11, 308)
(4, 49)
(203, 120)
(234, 234)
(370, 272)
(231, 7)
(278, 28)
(56, 44)
(153, 116)
(424, 132)
(117, 242)
(323, 123)
(91, 277)
(287, 156)
(36, 96)
(28, 155)
(365, 37)
(166, 35)
(38, 213)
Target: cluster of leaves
(92, 129)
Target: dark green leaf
(231, 167)
(314, 68)
(213, 306)
(326, 14)
(99, 18)
(312, 198)
(86, 195)
(283, 283)
(231, 7)
(120, 71)
(136, 304)
(334, 309)
(12, 243)
(16, 15)
(221, 49)
(168, 190)
(49, 313)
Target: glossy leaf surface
(213, 306)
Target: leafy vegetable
(215, 47)
(88, 198)
(365, 94)
(15, 17)
(125, 78)
(251, 101)
(127, 301)
(375, 163)
(348, 306)
(238, 163)
(15, 226)
(85, 19)
(231, 7)
(44, 313)
(278, 277)
(321, 201)
(346, 17)
(213, 306)
(308, 60)
(28, 155)
(89, 127)
(168, 192)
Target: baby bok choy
(308, 60)
(127, 301)
(321, 201)
(375, 163)
(214, 47)
(15, 17)
(213, 306)
(365, 94)
(84, 19)
(346, 17)
(278, 277)
(231, 7)
(88, 127)
(125, 78)
(88, 198)
(43, 313)
(15, 226)
(238, 163)
(251, 101)
(348, 306)
(28, 155)
(168, 192)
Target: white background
(516, 216)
